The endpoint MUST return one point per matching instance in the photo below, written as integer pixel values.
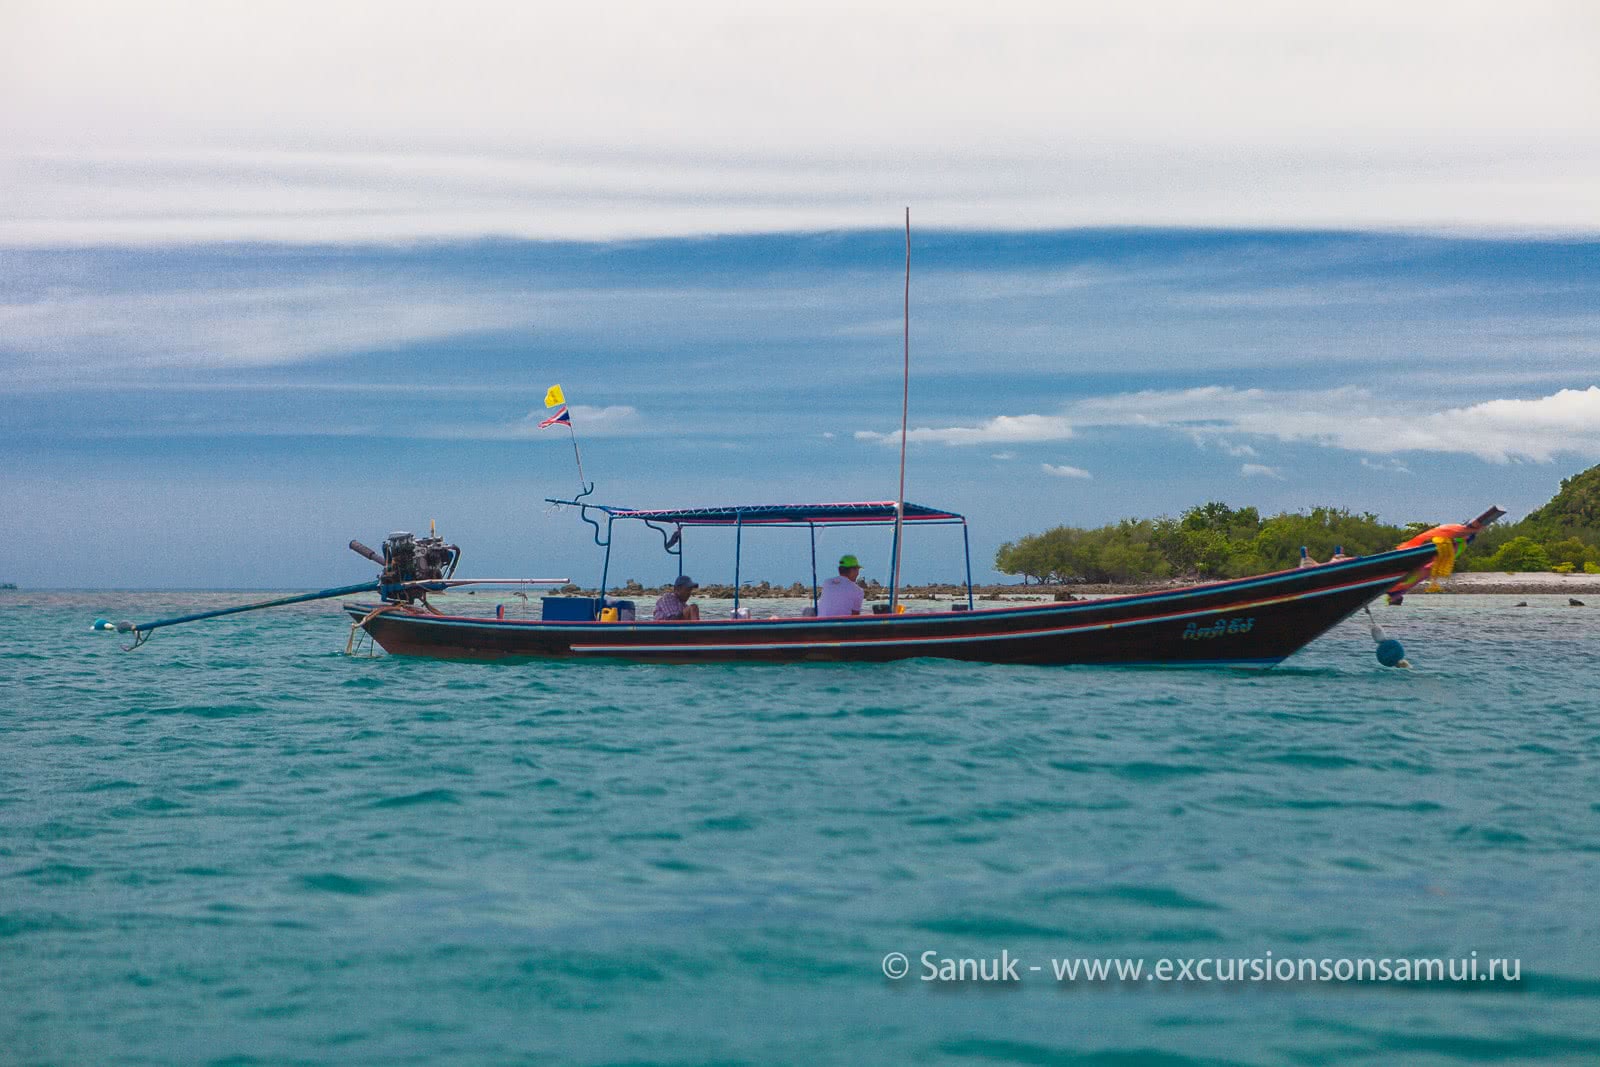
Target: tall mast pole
(583, 485)
(905, 411)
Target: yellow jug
(608, 614)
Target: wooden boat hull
(1246, 622)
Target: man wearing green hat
(841, 595)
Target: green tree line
(1214, 541)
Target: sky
(275, 277)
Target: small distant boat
(1255, 622)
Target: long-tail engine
(408, 560)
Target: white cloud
(1259, 470)
(1004, 456)
(1002, 429)
(1388, 466)
(609, 417)
(613, 418)
(303, 121)
(76, 337)
(1064, 471)
(1348, 418)
(1501, 430)
(97, 328)
(1235, 450)
(617, 420)
(1203, 410)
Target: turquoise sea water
(237, 845)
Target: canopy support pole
(738, 543)
(814, 592)
(966, 551)
(894, 571)
(605, 568)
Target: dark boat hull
(1248, 622)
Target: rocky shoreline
(1530, 584)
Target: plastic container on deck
(570, 608)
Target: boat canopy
(864, 513)
(739, 516)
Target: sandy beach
(1527, 584)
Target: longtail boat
(1255, 621)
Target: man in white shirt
(841, 595)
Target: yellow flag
(554, 396)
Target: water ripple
(238, 845)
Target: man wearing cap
(674, 605)
(841, 595)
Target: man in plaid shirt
(674, 603)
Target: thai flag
(563, 416)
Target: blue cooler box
(570, 608)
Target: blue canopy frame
(791, 516)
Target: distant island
(7, 585)
(1214, 541)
